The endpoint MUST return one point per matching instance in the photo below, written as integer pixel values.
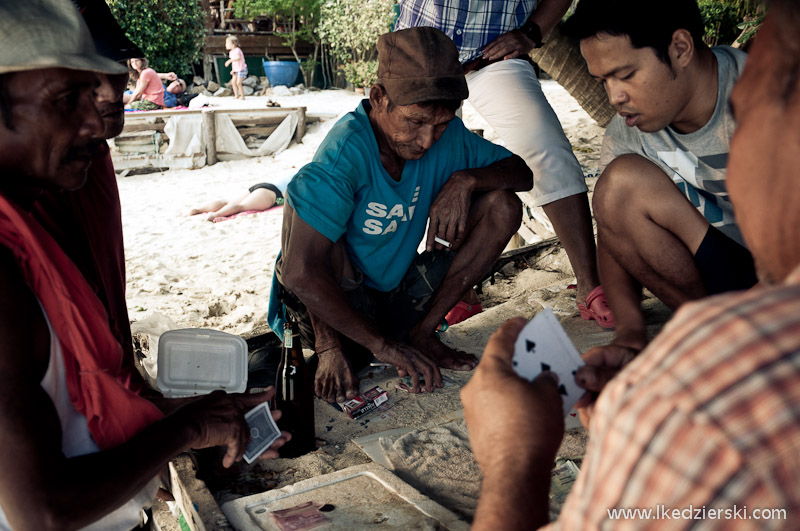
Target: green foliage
(721, 20)
(360, 73)
(169, 32)
(352, 27)
(750, 27)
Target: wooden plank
(259, 131)
(522, 253)
(268, 123)
(301, 125)
(165, 113)
(260, 120)
(136, 127)
(255, 44)
(138, 162)
(210, 129)
(197, 504)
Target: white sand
(218, 275)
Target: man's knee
(622, 187)
(504, 208)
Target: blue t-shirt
(346, 192)
(170, 99)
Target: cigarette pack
(364, 403)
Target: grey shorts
(393, 312)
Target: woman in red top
(149, 92)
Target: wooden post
(301, 125)
(210, 128)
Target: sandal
(462, 311)
(595, 307)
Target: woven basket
(561, 58)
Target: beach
(217, 275)
(188, 272)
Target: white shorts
(509, 97)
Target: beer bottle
(294, 395)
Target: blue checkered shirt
(472, 24)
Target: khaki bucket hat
(37, 34)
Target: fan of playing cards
(544, 346)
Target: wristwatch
(532, 30)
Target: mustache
(84, 152)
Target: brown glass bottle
(294, 395)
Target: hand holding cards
(544, 346)
(263, 431)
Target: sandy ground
(193, 273)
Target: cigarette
(443, 242)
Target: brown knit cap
(417, 65)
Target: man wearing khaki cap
(349, 271)
(77, 447)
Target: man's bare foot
(335, 380)
(445, 356)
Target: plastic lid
(197, 361)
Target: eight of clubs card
(263, 431)
(544, 346)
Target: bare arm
(450, 209)
(515, 444)
(40, 488)
(310, 271)
(167, 76)
(514, 43)
(138, 90)
(548, 13)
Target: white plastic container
(197, 361)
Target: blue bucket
(281, 72)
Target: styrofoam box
(197, 361)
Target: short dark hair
(5, 101)
(648, 23)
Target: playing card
(544, 346)
(263, 431)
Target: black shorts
(393, 312)
(268, 186)
(724, 265)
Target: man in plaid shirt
(494, 39)
(703, 427)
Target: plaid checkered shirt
(707, 417)
(472, 24)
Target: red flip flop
(595, 307)
(462, 311)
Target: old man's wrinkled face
(411, 130)
(108, 96)
(55, 127)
